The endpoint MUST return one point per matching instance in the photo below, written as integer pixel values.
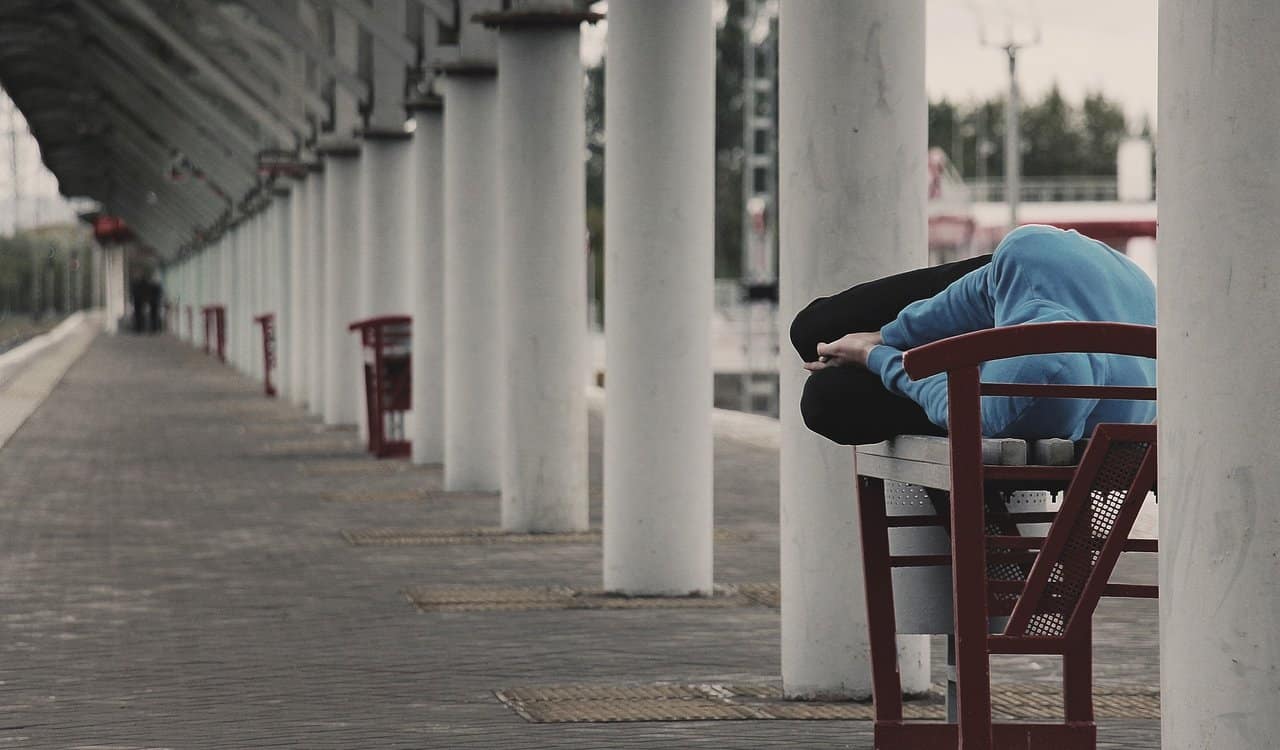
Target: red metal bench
(268, 323)
(215, 330)
(1011, 594)
(388, 382)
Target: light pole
(1012, 143)
(1012, 146)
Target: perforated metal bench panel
(910, 463)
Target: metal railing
(1047, 189)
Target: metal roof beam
(176, 127)
(290, 29)
(208, 69)
(380, 26)
(155, 153)
(134, 54)
(235, 67)
(184, 209)
(231, 25)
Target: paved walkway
(173, 576)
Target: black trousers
(850, 405)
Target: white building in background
(29, 196)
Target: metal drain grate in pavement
(310, 446)
(290, 428)
(433, 537)
(404, 496)
(335, 467)
(488, 535)
(535, 598)
(718, 702)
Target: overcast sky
(1085, 45)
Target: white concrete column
(280, 290)
(226, 281)
(473, 347)
(208, 274)
(266, 279)
(659, 277)
(313, 328)
(251, 277)
(542, 266)
(342, 363)
(96, 262)
(426, 263)
(338, 211)
(383, 274)
(852, 160)
(114, 287)
(250, 281)
(259, 253)
(1218, 265)
(235, 291)
(297, 292)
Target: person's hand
(850, 349)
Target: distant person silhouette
(155, 303)
(139, 294)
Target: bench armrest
(972, 349)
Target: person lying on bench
(852, 342)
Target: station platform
(189, 565)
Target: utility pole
(1012, 142)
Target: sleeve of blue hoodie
(968, 305)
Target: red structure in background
(1047, 587)
(388, 384)
(268, 323)
(215, 329)
(108, 229)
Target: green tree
(1058, 138)
(730, 154)
(595, 180)
(1104, 127)
(1052, 138)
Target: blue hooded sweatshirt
(1039, 274)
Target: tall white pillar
(247, 281)
(259, 252)
(473, 347)
(114, 287)
(342, 236)
(281, 270)
(426, 264)
(659, 276)
(1218, 265)
(852, 160)
(383, 274)
(542, 267)
(296, 291)
(251, 282)
(318, 252)
(235, 291)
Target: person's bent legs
(849, 405)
